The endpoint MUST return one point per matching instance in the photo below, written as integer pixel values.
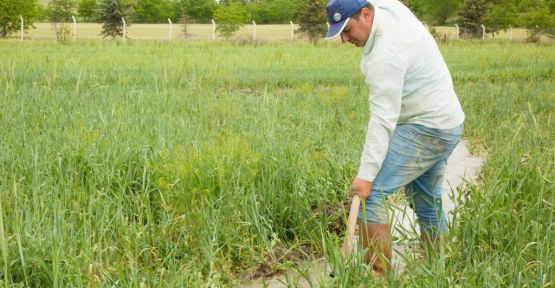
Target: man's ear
(365, 13)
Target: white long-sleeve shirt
(408, 81)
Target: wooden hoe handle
(347, 247)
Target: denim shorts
(416, 160)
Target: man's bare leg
(376, 238)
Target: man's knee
(373, 211)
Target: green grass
(190, 164)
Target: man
(415, 122)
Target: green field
(194, 164)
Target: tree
(229, 19)
(274, 11)
(59, 14)
(312, 20)
(155, 11)
(472, 16)
(501, 15)
(185, 20)
(438, 11)
(199, 10)
(540, 19)
(111, 13)
(415, 6)
(41, 12)
(10, 10)
(87, 10)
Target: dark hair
(356, 16)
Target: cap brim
(336, 29)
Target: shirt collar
(375, 25)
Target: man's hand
(361, 187)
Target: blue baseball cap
(339, 13)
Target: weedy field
(201, 164)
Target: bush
(229, 19)
(59, 14)
(539, 21)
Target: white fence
(207, 32)
(170, 31)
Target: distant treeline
(196, 11)
(536, 15)
(434, 12)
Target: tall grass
(193, 164)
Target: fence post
(124, 29)
(74, 27)
(21, 20)
(213, 30)
(483, 31)
(171, 30)
(292, 30)
(253, 30)
(458, 30)
(510, 33)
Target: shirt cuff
(367, 172)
